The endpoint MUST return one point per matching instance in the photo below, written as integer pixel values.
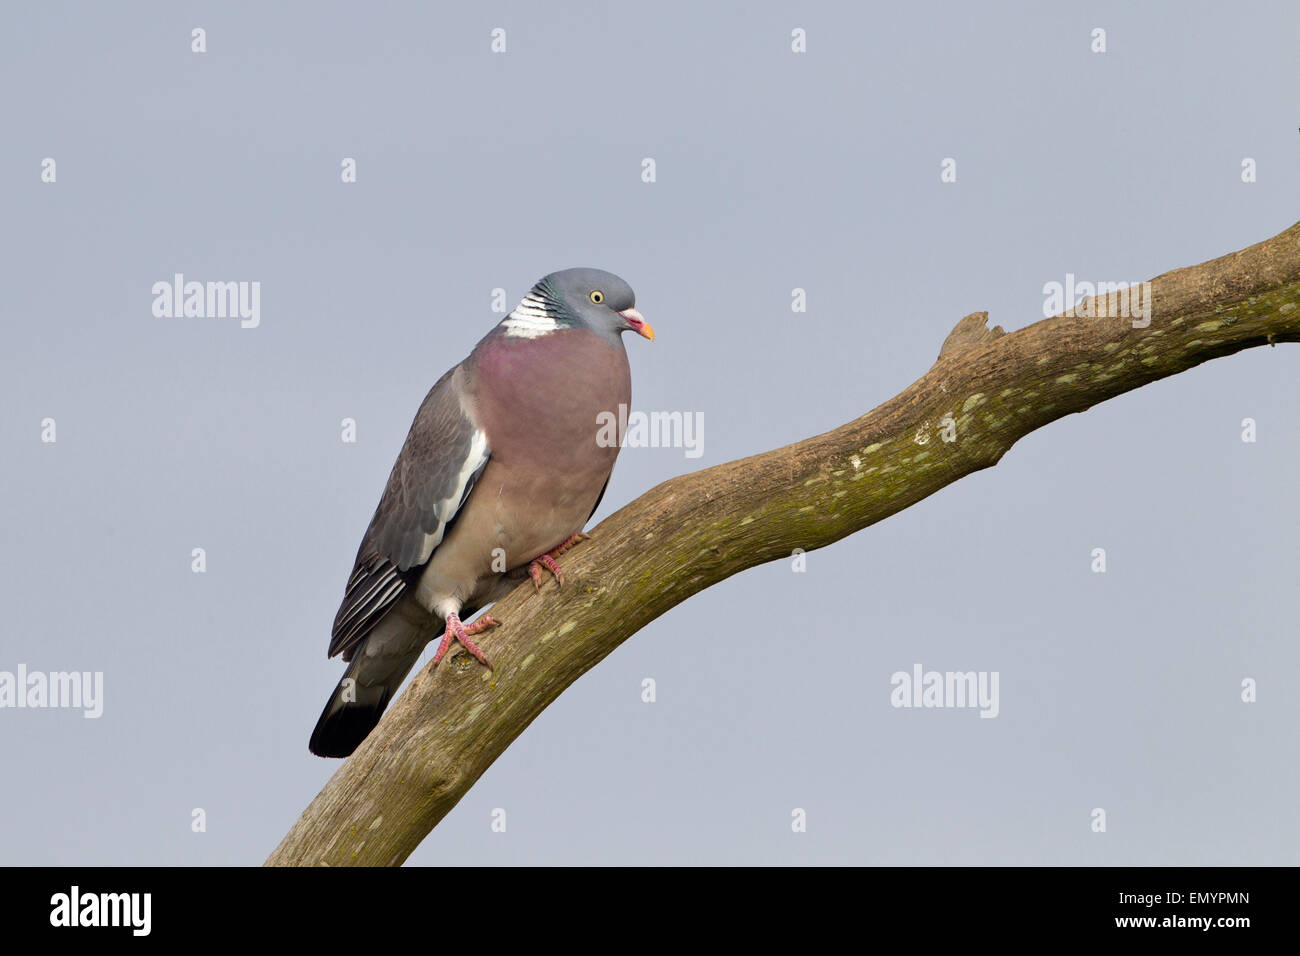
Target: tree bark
(985, 391)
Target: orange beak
(637, 324)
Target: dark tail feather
(378, 667)
(344, 724)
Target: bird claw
(548, 561)
(455, 630)
(535, 571)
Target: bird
(502, 467)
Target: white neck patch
(531, 318)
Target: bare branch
(986, 390)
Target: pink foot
(455, 629)
(548, 561)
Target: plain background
(775, 170)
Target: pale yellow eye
(598, 297)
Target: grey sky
(775, 170)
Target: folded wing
(442, 458)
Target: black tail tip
(342, 727)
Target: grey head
(590, 299)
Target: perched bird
(501, 469)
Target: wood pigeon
(505, 462)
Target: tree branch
(986, 390)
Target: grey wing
(599, 498)
(444, 454)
